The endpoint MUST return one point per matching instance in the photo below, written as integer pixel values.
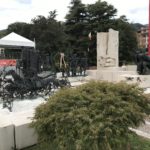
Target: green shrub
(94, 116)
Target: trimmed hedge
(94, 116)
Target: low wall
(15, 132)
(131, 67)
(6, 134)
(91, 74)
(114, 74)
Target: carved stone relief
(107, 49)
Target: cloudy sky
(24, 10)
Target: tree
(75, 27)
(138, 26)
(94, 116)
(2, 33)
(83, 20)
(48, 32)
(20, 28)
(127, 39)
(100, 16)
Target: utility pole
(149, 32)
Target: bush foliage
(94, 116)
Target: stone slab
(78, 83)
(116, 75)
(112, 75)
(131, 67)
(91, 74)
(141, 133)
(6, 134)
(113, 45)
(107, 49)
(142, 80)
(25, 136)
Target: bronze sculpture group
(29, 80)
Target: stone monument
(108, 62)
(107, 49)
(108, 58)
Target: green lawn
(137, 143)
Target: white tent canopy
(15, 40)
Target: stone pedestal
(142, 80)
(112, 75)
(129, 75)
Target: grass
(139, 143)
(136, 143)
(41, 147)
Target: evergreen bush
(94, 116)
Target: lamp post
(149, 32)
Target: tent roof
(15, 40)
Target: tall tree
(75, 26)
(127, 39)
(100, 16)
(81, 21)
(84, 20)
(21, 28)
(3, 33)
(48, 32)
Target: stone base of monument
(142, 80)
(112, 75)
(117, 74)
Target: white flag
(90, 36)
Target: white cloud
(24, 10)
(128, 7)
(12, 11)
(24, 1)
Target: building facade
(142, 37)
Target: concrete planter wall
(15, 131)
(6, 134)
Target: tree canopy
(71, 35)
(46, 31)
(83, 20)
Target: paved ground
(143, 130)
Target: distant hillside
(2, 33)
(138, 26)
